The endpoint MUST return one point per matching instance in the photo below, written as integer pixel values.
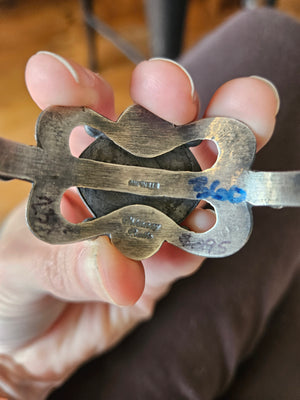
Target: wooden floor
(56, 25)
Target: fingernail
(90, 276)
(183, 69)
(122, 279)
(80, 74)
(272, 86)
(63, 61)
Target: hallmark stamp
(144, 184)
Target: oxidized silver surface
(138, 230)
(103, 202)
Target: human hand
(60, 305)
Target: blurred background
(60, 26)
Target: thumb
(91, 270)
(37, 279)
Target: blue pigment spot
(234, 195)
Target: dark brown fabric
(244, 307)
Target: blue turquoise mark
(234, 195)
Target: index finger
(54, 80)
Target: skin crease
(94, 275)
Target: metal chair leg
(166, 24)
